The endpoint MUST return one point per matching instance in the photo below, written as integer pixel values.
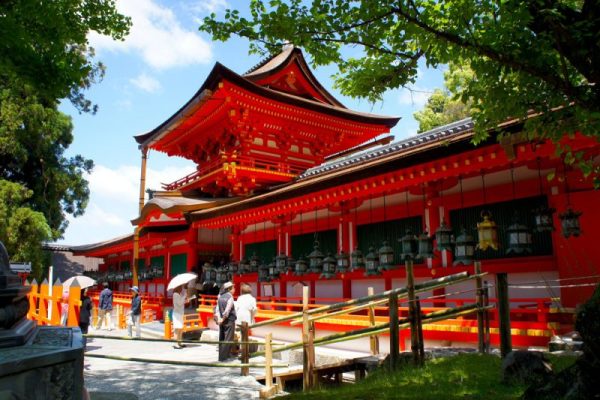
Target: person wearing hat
(135, 313)
(226, 320)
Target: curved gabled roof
(290, 55)
(220, 73)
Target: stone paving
(126, 380)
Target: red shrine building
(293, 189)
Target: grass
(466, 376)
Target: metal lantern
(263, 273)
(290, 264)
(372, 262)
(232, 269)
(544, 222)
(443, 237)
(210, 274)
(464, 249)
(569, 221)
(315, 259)
(519, 238)
(425, 246)
(329, 264)
(301, 266)
(221, 275)
(358, 260)
(273, 270)
(410, 246)
(386, 257)
(244, 266)
(487, 232)
(254, 262)
(342, 262)
(281, 263)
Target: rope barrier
(552, 286)
(181, 363)
(563, 279)
(173, 341)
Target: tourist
(179, 300)
(135, 313)
(64, 309)
(84, 314)
(226, 321)
(245, 309)
(105, 304)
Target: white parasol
(181, 279)
(82, 280)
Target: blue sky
(149, 76)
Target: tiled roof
(436, 134)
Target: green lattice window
(178, 264)
(264, 250)
(302, 245)
(374, 234)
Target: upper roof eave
(280, 61)
(220, 72)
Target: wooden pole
(394, 331)
(308, 355)
(486, 319)
(503, 313)
(245, 349)
(420, 331)
(374, 340)
(479, 301)
(268, 360)
(414, 334)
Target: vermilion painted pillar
(234, 239)
(192, 253)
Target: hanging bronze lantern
(263, 273)
(544, 222)
(210, 274)
(301, 266)
(464, 249)
(281, 263)
(342, 262)
(519, 238)
(244, 266)
(425, 246)
(221, 275)
(372, 263)
(315, 259)
(487, 231)
(290, 264)
(443, 237)
(328, 267)
(569, 220)
(273, 270)
(254, 262)
(386, 257)
(409, 246)
(358, 260)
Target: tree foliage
(22, 229)
(45, 57)
(43, 44)
(531, 57)
(444, 105)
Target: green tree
(530, 57)
(45, 57)
(444, 105)
(22, 229)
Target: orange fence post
(33, 297)
(74, 305)
(168, 333)
(43, 298)
(94, 316)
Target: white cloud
(146, 83)
(210, 6)
(157, 35)
(414, 97)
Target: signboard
(20, 267)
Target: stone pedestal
(36, 363)
(48, 366)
